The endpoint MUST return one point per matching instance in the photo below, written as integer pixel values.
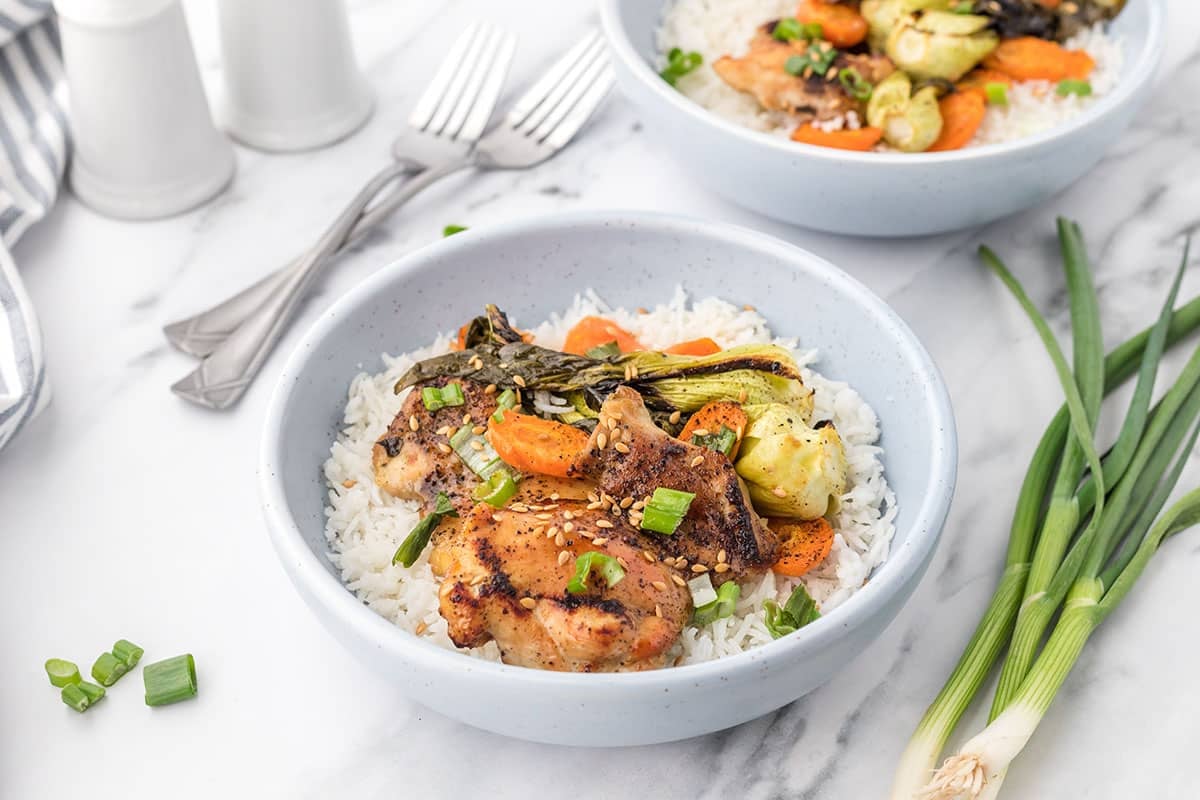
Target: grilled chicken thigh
(505, 576)
(629, 456)
(761, 73)
(414, 462)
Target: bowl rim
(1139, 74)
(323, 590)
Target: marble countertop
(126, 512)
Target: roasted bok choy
(1084, 529)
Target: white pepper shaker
(145, 142)
(291, 79)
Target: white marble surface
(126, 512)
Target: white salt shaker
(291, 79)
(145, 142)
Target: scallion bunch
(1084, 529)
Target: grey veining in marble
(126, 513)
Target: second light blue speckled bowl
(530, 269)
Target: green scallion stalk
(476, 451)
(722, 441)
(108, 669)
(727, 597)
(93, 692)
(504, 401)
(666, 509)
(608, 567)
(410, 549)
(679, 64)
(787, 29)
(996, 93)
(75, 697)
(447, 396)
(497, 490)
(170, 681)
(127, 652)
(62, 672)
(799, 610)
(1075, 87)
(450, 230)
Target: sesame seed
(742, 395)
(675, 415)
(615, 436)
(697, 461)
(544, 516)
(603, 523)
(560, 540)
(601, 440)
(421, 628)
(564, 557)
(466, 419)
(444, 430)
(444, 448)
(721, 555)
(568, 527)
(519, 381)
(554, 495)
(528, 602)
(669, 561)
(600, 541)
(595, 506)
(538, 530)
(476, 445)
(478, 429)
(611, 423)
(568, 515)
(639, 505)
(489, 389)
(617, 415)
(621, 560)
(414, 423)
(519, 507)
(552, 532)
(662, 587)
(700, 432)
(658, 610)
(627, 502)
(678, 580)
(680, 562)
(621, 447)
(497, 517)
(642, 310)
(779, 491)
(698, 568)
(349, 484)
(503, 365)
(592, 497)
(633, 371)
(722, 567)
(478, 579)
(646, 554)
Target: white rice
(715, 28)
(365, 526)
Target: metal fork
(444, 125)
(540, 124)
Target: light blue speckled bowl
(878, 194)
(530, 269)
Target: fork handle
(201, 334)
(221, 379)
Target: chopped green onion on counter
(108, 669)
(127, 652)
(666, 509)
(62, 672)
(170, 681)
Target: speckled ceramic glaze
(632, 260)
(878, 194)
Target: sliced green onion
(608, 567)
(799, 610)
(702, 590)
(787, 29)
(170, 681)
(410, 549)
(679, 64)
(722, 441)
(818, 59)
(606, 350)
(497, 490)
(855, 84)
(108, 669)
(666, 509)
(450, 230)
(812, 31)
(722, 607)
(1075, 87)
(449, 395)
(996, 92)
(128, 653)
(62, 672)
(476, 451)
(504, 401)
(92, 691)
(75, 697)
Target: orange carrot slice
(962, 114)
(862, 139)
(536, 445)
(1028, 58)
(695, 347)
(712, 416)
(802, 545)
(592, 332)
(841, 25)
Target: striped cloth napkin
(34, 144)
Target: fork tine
(574, 91)
(427, 104)
(527, 102)
(582, 111)
(578, 70)
(455, 91)
(481, 110)
(490, 50)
